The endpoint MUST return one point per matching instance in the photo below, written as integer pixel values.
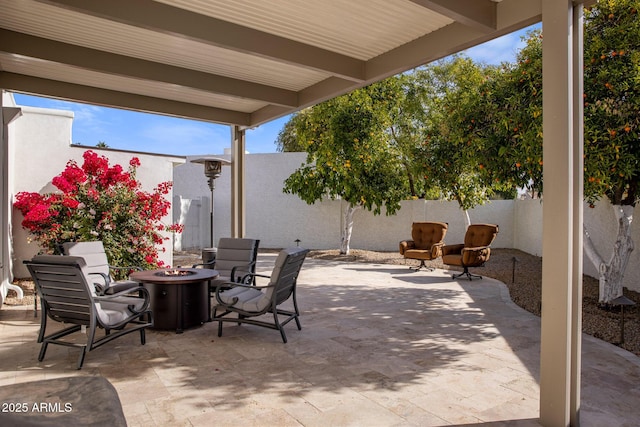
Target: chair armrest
(202, 264)
(101, 289)
(126, 270)
(221, 287)
(406, 245)
(452, 249)
(251, 277)
(226, 285)
(476, 255)
(248, 272)
(143, 292)
(436, 250)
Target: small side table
(179, 297)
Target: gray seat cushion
(249, 299)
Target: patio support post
(7, 115)
(562, 214)
(578, 214)
(238, 206)
(4, 201)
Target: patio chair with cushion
(426, 244)
(235, 258)
(474, 252)
(249, 301)
(67, 295)
(99, 268)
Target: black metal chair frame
(246, 269)
(284, 288)
(467, 273)
(65, 297)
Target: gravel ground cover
(521, 272)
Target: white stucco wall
(527, 220)
(40, 147)
(278, 219)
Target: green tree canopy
(450, 160)
(506, 123)
(350, 156)
(612, 101)
(287, 140)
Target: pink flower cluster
(100, 202)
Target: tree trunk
(467, 219)
(611, 273)
(347, 228)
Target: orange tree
(409, 117)
(451, 160)
(612, 126)
(612, 101)
(349, 154)
(508, 125)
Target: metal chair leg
(422, 265)
(466, 273)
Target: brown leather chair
(474, 252)
(426, 244)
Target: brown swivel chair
(426, 244)
(474, 252)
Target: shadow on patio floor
(380, 345)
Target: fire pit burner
(175, 272)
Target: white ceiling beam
(479, 14)
(127, 101)
(105, 62)
(267, 114)
(322, 91)
(178, 22)
(511, 15)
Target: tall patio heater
(212, 170)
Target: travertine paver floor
(380, 346)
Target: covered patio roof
(241, 63)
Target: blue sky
(158, 134)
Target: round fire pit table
(179, 297)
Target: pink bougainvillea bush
(97, 201)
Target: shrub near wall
(40, 143)
(100, 202)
